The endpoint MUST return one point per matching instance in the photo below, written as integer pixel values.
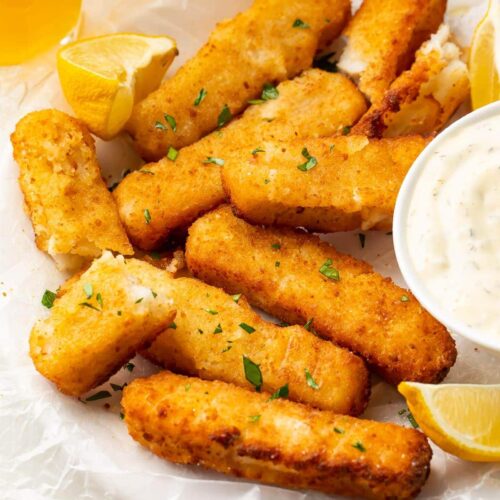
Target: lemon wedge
(462, 419)
(103, 77)
(484, 61)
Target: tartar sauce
(453, 226)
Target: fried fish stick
(73, 213)
(245, 434)
(351, 304)
(353, 185)
(114, 309)
(213, 331)
(314, 104)
(381, 40)
(422, 99)
(270, 42)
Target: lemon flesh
(462, 419)
(484, 65)
(103, 77)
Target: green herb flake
(247, 328)
(328, 271)
(359, 446)
(332, 147)
(172, 153)
(252, 373)
(224, 116)
(160, 126)
(283, 324)
(256, 101)
(173, 325)
(99, 395)
(217, 161)
(266, 181)
(276, 246)
(144, 171)
(298, 23)
(211, 311)
(282, 392)
(98, 297)
(90, 306)
(227, 348)
(138, 301)
(257, 150)
(254, 418)
(88, 290)
(346, 130)
(218, 329)
(129, 366)
(199, 98)
(310, 381)
(402, 412)
(200, 331)
(308, 325)
(147, 216)
(155, 255)
(405, 298)
(119, 313)
(236, 297)
(277, 263)
(122, 415)
(117, 387)
(48, 299)
(171, 121)
(154, 294)
(412, 420)
(309, 164)
(269, 92)
(338, 430)
(362, 239)
(187, 387)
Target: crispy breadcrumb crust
(382, 37)
(208, 341)
(353, 186)
(314, 104)
(258, 46)
(234, 431)
(361, 311)
(100, 321)
(70, 207)
(422, 99)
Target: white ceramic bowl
(403, 256)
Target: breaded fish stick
(213, 331)
(114, 309)
(381, 40)
(73, 213)
(314, 104)
(422, 99)
(354, 183)
(270, 42)
(245, 434)
(295, 277)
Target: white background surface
(52, 446)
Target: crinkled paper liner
(52, 446)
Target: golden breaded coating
(70, 207)
(422, 99)
(350, 303)
(381, 40)
(245, 434)
(314, 104)
(213, 331)
(270, 42)
(353, 185)
(114, 309)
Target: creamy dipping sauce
(453, 226)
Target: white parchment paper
(52, 446)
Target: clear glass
(30, 27)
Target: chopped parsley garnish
(269, 93)
(323, 62)
(87, 288)
(160, 126)
(218, 329)
(172, 153)
(332, 147)
(99, 395)
(362, 239)
(155, 255)
(129, 366)
(117, 387)
(310, 163)
(338, 430)
(266, 181)
(144, 171)
(310, 381)
(277, 263)
(308, 325)
(90, 306)
(405, 298)
(216, 161)
(154, 294)
(211, 311)
(224, 116)
(48, 299)
(330, 272)
(171, 121)
(298, 23)
(282, 392)
(122, 415)
(247, 328)
(346, 130)
(283, 324)
(227, 348)
(402, 412)
(359, 446)
(254, 418)
(98, 297)
(187, 387)
(252, 373)
(257, 150)
(119, 313)
(173, 325)
(276, 246)
(236, 297)
(147, 216)
(202, 94)
(138, 301)
(412, 420)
